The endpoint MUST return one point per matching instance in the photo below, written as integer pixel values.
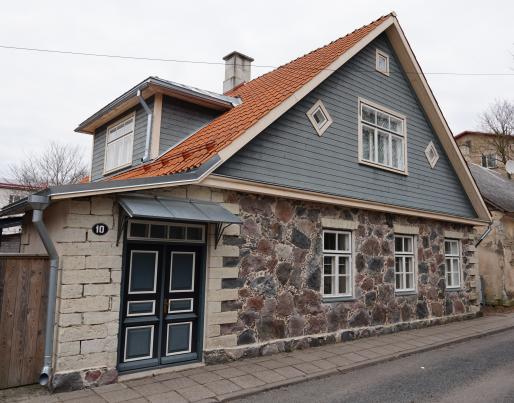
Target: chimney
(238, 70)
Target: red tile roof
(259, 96)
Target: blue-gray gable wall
(97, 166)
(290, 153)
(180, 119)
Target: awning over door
(159, 208)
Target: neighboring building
(323, 201)
(479, 148)
(495, 252)
(10, 229)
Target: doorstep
(223, 382)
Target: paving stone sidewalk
(224, 382)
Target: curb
(349, 368)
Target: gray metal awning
(160, 208)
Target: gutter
(149, 118)
(39, 204)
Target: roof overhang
(148, 88)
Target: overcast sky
(44, 96)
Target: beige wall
(496, 260)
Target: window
(382, 62)
(431, 154)
(173, 232)
(319, 117)
(382, 138)
(14, 198)
(119, 141)
(489, 160)
(337, 264)
(452, 263)
(404, 263)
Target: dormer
(146, 121)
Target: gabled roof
(472, 133)
(496, 190)
(260, 96)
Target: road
(480, 370)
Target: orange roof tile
(259, 97)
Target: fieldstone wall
(88, 295)
(279, 274)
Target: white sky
(45, 96)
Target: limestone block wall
(88, 295)
(496, 260)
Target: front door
(162, 307)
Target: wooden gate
(23, 299)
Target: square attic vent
(319, 117)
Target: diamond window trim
(431, 154)
(319, 117)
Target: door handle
(166, 302)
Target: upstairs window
(452, 263)
(337, 264)
(119, 144)
(382, 62)
(489, 160)
(319, 117)
(382, 138)
(14, 198)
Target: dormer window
(119, 144)
(382, 62)
(319, 117)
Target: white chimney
(238, 70)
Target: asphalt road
(480, 370)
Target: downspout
(37, 220)
(146, 155)
(484, 235)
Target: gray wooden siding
(180, 119)
(290, 153)
(97, 166)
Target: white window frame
(156, 253)
(171, 271)
(452, 270)
(168, 335)
(379, 54)
(132, 117)
(337, 254)
(125, 359)
(431, 148)
(403, 256)
(487, 158)
(361, 123)
(141, 314)
(320, 129)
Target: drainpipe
(37, 220)
(149, 114)
(484, 235)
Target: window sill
(406, 292)
(384, 167)
(453, 289)
(327, 300)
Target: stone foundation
(221, 356)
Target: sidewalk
(223, 382)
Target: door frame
(132, 366)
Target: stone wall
(279, 273)
(88, 295)
(496, 260)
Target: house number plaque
(100, 229)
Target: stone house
(323, 201)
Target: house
(479, 148)
(10, 228)
(323, 201)
(495, 249)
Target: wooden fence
(23, 300)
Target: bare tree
(58, 164)
(498, 119)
